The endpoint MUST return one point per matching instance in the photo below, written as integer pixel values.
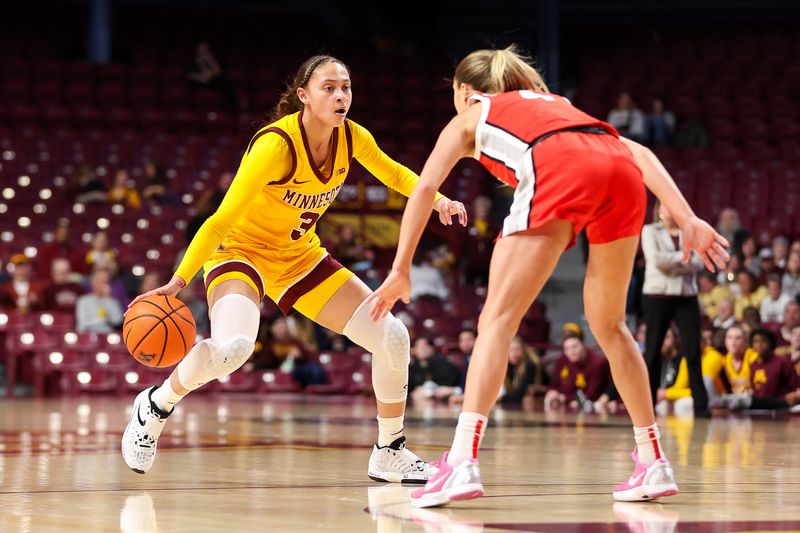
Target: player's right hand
(172, 288)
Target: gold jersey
(278, 193)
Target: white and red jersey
(512, 122)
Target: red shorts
(588, 179)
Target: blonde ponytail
(499, 71)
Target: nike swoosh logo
(435, 485)
(139, 417)
(633, 480)
(300, 182)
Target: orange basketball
(159, 330)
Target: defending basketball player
(261, 242)
(570, 171)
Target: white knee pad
(388, 341)
(234, 327)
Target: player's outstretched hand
(699, 236)
(396, 286)
(172, 288)
(447, 208)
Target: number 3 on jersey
(308, 219)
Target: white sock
(648, 447)
(165, 398)
(389, 430)
(469, 434)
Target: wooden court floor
(299, 464)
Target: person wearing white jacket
(670, 293)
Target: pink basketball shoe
(647, 482)
(451, 483)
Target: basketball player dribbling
(570, 171)
(261, 242)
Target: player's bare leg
(605, 292)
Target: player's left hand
(396, 286)
(447, 208)
(699, 236)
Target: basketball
(159, 331)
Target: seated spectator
(426, 280)
(60, 247)
(712, 363)
(659, 125)
(351, 252)
(431, 375)
(194, 296)
(210, 199)
(773, 380)
(524, 376)
(751, 294)
(627, 118)
(21, 293)
(87, 187)
(156, 187)
(577, 370)
(790, 282)
(479, 242)
(780, 251)
(730, 227)
(751, 320)
(711, 293)
(206, 72)
(774, 303)
(123, 191)
(62, 292)
(738, 360)
(671, 358)
(791, 318)
(98, 311)
(750, 257)
(792, 352)
(101, 254)
(725, 317)
(283, 351)
(767, 264)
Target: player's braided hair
(290, 102)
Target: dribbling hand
(172, 288)
(699, 236)
(447, 208)
(396, 286)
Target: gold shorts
(303, 281)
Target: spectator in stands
(710, 293)
(60, 247)
(712, 363)
(727, 276)
(101, 254)
(427, 280)
(87, 186)
(627, 118)
(751, 294)
(211, 199)
(577, 370)
(751, 320)
(750, 257)
(478, 244)
(524, 376)
(780, 251)
(767, 264)
(98, 311)
(21, 293)
(670, 293)
(351, 252)
(659, 125)
(774, 303)
(725, 313)
(206, 72)
(793, 350)
(791, 318)
(194, 296)
(282, 350)
(773, 380)
(738, 360)
(692, 133)
(62, 292)
(431, 375)
(123, 191)
(730, 227)
(156, 187)
(790, 282)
